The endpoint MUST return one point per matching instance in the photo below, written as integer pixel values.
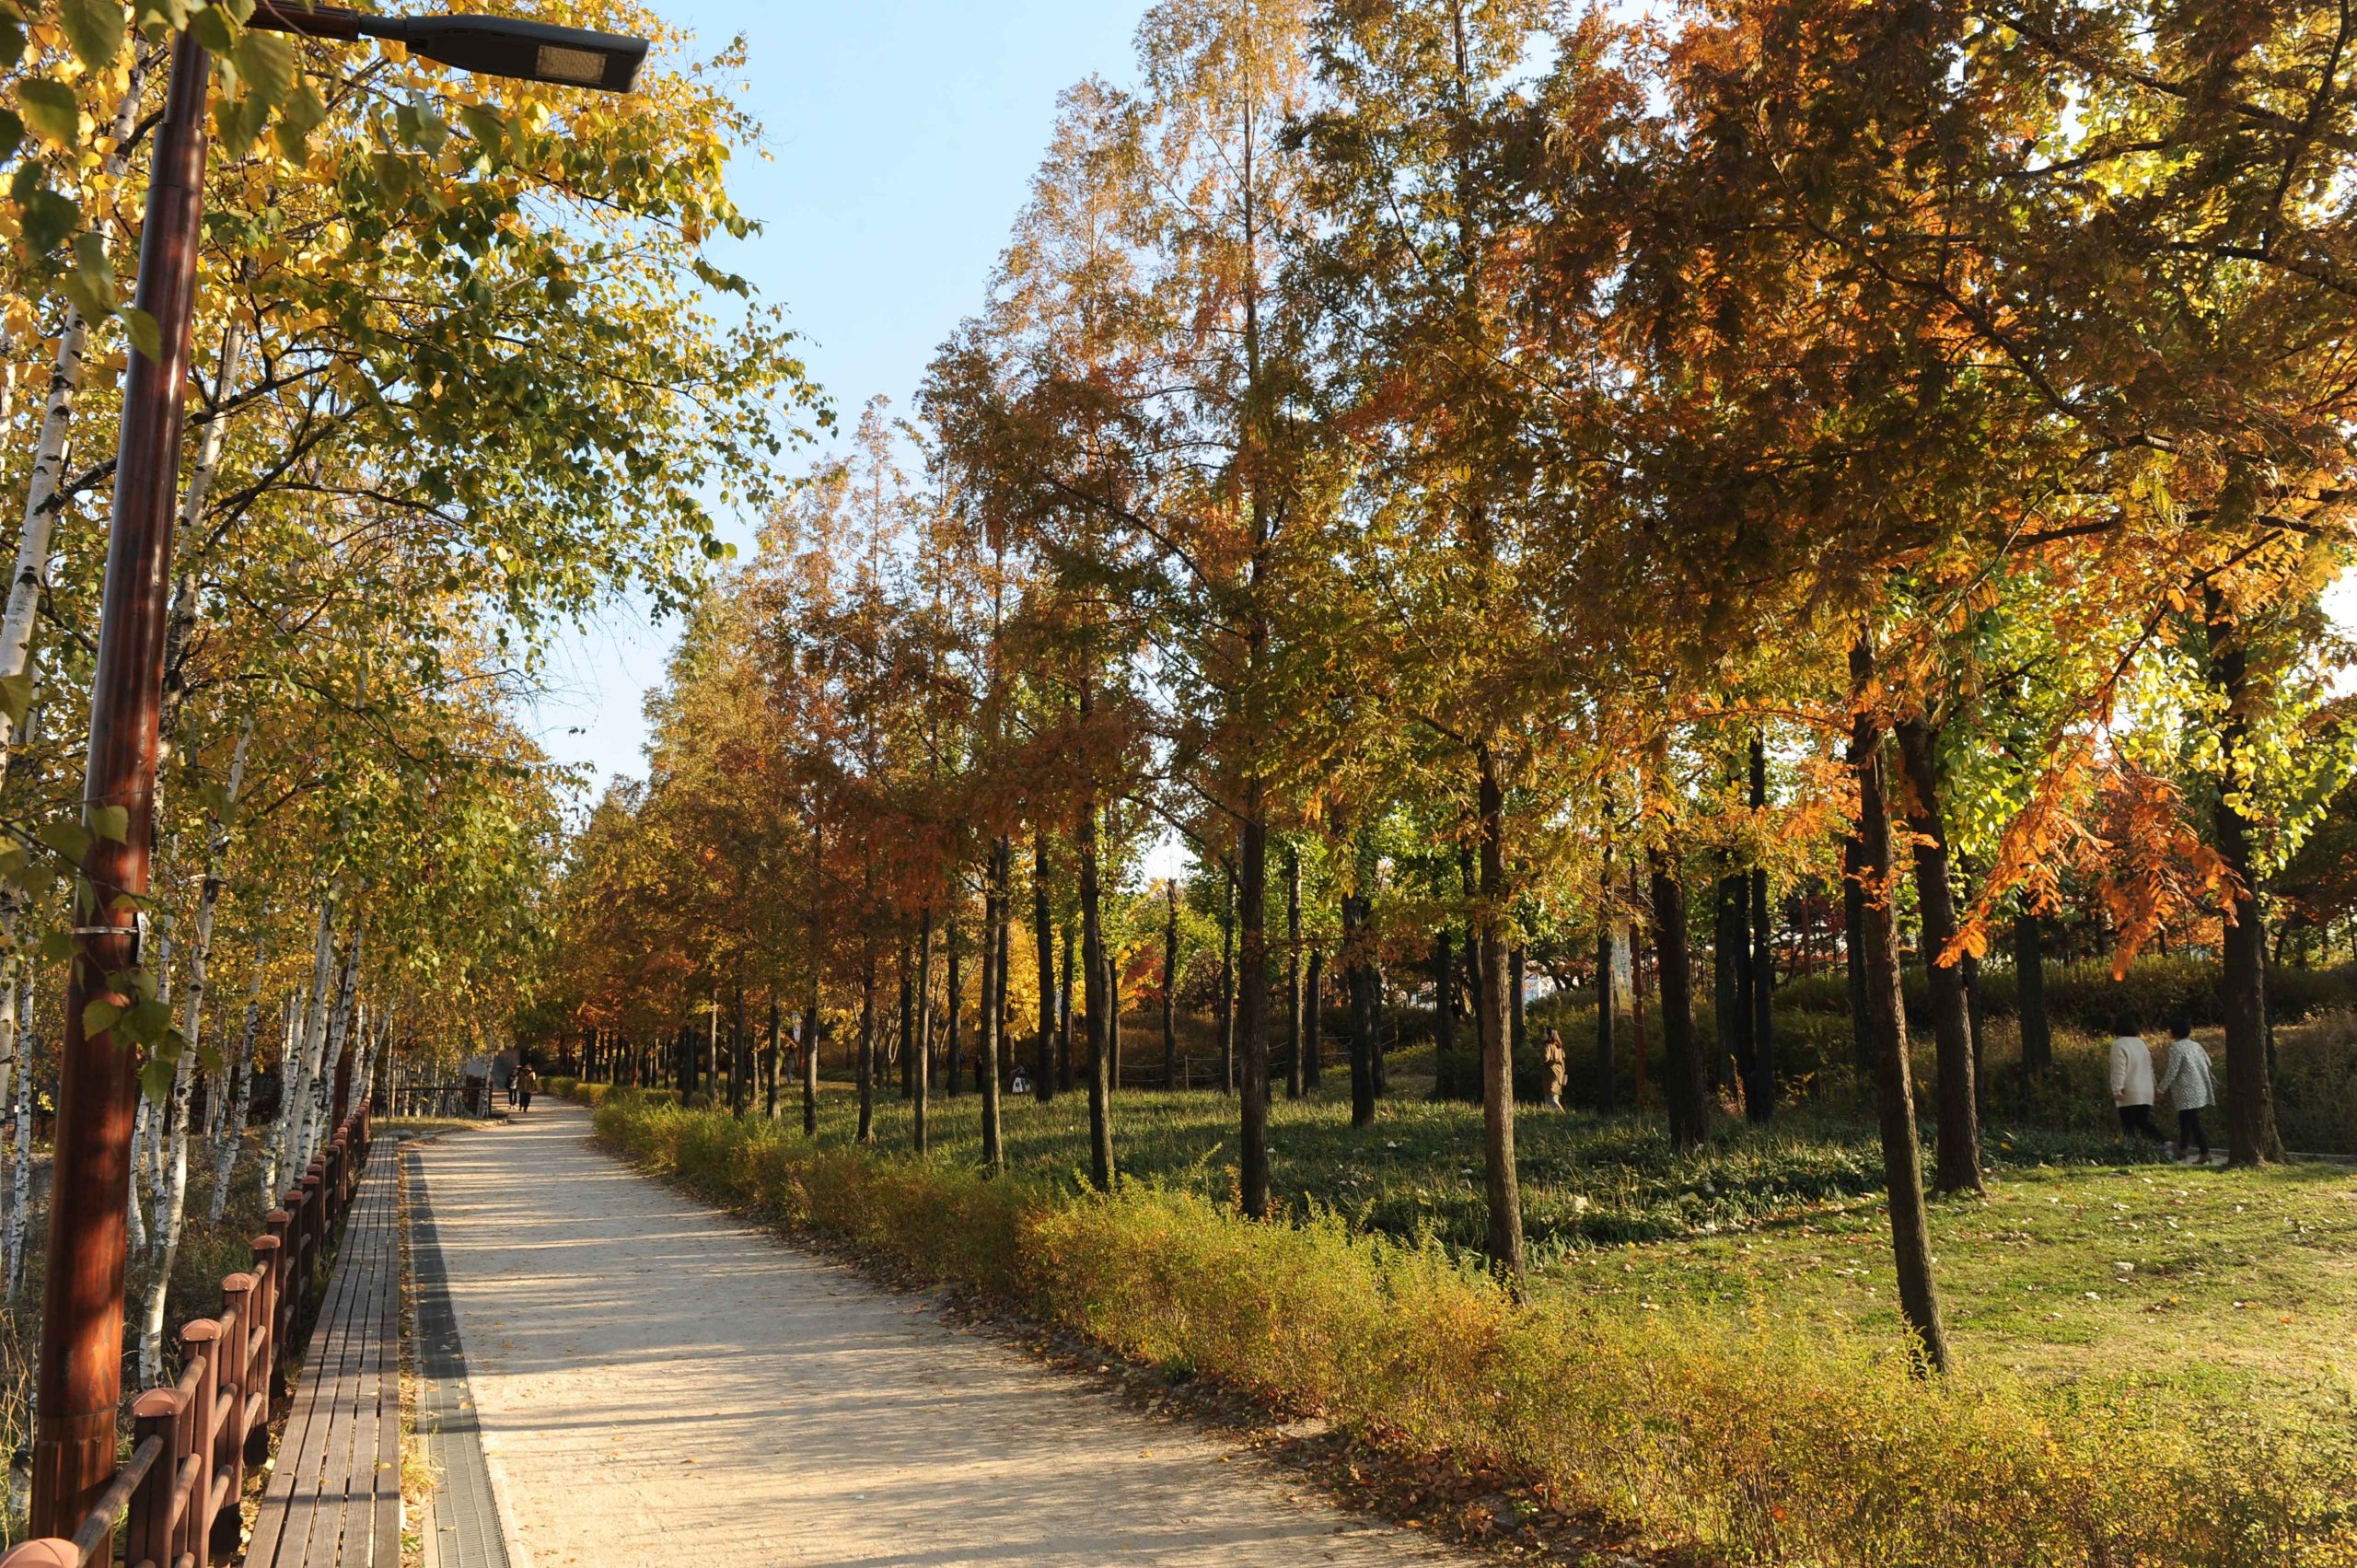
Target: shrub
(2315, 1084)
(1755, 1443)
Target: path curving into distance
(655, 1382)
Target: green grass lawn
(2090, 1265)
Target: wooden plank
(335, 1496)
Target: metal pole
(81, 1343)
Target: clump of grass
(1748, 1438)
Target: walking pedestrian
(2190, 1085)
(1551, 1057)
(526, 1082)
(2132, 1080)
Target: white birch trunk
(231, 1140)
(172, 1207)
(158, 1116)
(229, 1130)
(339, 1032)
(134, 1222)
(20, 1189)
(270, 1152)
(43, 496)
(294, 1157)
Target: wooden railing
(193, 1442)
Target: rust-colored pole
(80, 1378)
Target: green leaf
(484, 125)
(12, 41)
(210, 1057)
(56, 948)
(93, 297)
(112, 823)
(298, 119)
(156, 1079)
(16, 696)
(237, 121)
(95, 29)
(68, 839)
(215, 28)
(265, 62)
(392, 172)
(144, 335)
(160, 18)
(12, 130)
(48, 220)
(99, 1016)
(96, 298)
(51, 109)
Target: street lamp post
(80, 1377)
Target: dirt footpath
(659, 1383)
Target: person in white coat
(2131, 1078)
(2187, 1080)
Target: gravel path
(655, 1382)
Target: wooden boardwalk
(334, 1497)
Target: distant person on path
(526, 1082)
(502, 1073)
(2131, 1078)
(2188, 1081)
(1551, 1056)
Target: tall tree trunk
(1853, 956)
(1005, 1035)
(1355, 912)
(1683, 1086)
(1443, 1014)
(1313, 1022)
(1065, 1015)
(1227, 987)
(1169, 984)
(865, 1067)
(1296, 1085)
(953, 1045)
(1113, 1018)
(769, 1063)
(1500, 1182)
(1957, 1162)
(172, 1209)
(2029, 994)
(1093, 1003)
(232, 1134)
(1902, 1150)
(294, 1093)
(1517, 965)
(906, 1036)
(739, 1050)
(21, 1176)
(1607, 1070)
(921, 1047)
(810, 1059)
(2251, 1134)
(1043, 940)
(1730, 958)
(995, 899)
(45, 499)
(1252, 1009)
(1759, 1065)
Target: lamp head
(531, 51)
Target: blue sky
(900, 137)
